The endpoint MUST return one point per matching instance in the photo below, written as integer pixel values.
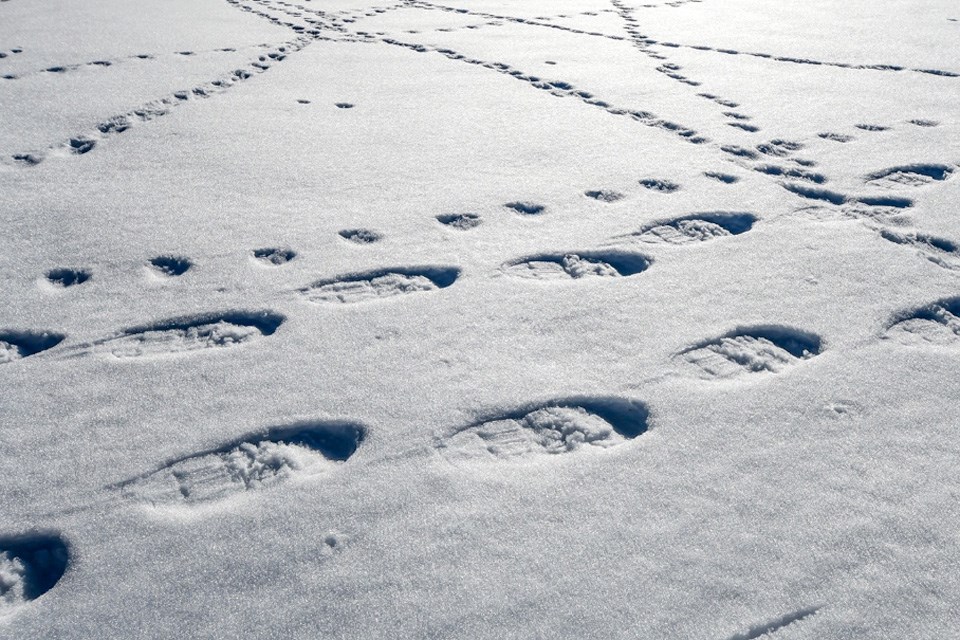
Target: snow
(479, 319)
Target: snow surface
(479, 319)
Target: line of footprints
(31, 564)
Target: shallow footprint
(585, 264)
(461, 221)
(560, 426)
(937, 324)
(383, 283)
(30, 565)
(191, 333)
(171, 265)
(746, 350)
(274, 256)
(16, 345)
(253, 462)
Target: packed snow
(479, 319)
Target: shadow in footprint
(664, 186)
(30, 565)
(275, 256)
(604, 195)
(252, 462)
(171, 265)
(937, 324)
(68, 277)
(566, 425)
(767, 348)
(16, 345)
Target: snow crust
(479, 319)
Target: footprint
(739, 152)
(191, 333)
(171, 265)
(568, 425)
(344, 105)
(604, 195)
(16, 345)
(910, 175)
(462, 221)
(925, 123)
(81, 146)
(567, 266)
(383, 283)
(526, 208)
(664, 186)
(937, 323)
(836, 137)
(360, 236)
(30, 565)
(942, 252)
(871, 127)
(779, 148)
(791, 172)
(752, 350)
(274, 255)
(254, 462)
(696, 227)
(725, 178)
(68, 277)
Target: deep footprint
(697, 227)
(16, 345)
(383, 283)
(30, 565)
(748, 350)
(254, 462)
(171, 265)
(68, 277)
(192, 333)
(562, 426)
(937, 324)
(573, 266)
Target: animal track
(526, 208)
(251, 463)
(274, 255)
(604, 195)
(751, 350)
(937, 323)
(770, 627)
(344, 105)
(568, 425)
(68, 277)
(664, 186)
(30, 565)
(461, 221)
(192, 333)
(16, 345)
(383, 283)
(171, 265)
(578, 265)
(871, 127)
(696, 227)
(911, 175)
(360, 236)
